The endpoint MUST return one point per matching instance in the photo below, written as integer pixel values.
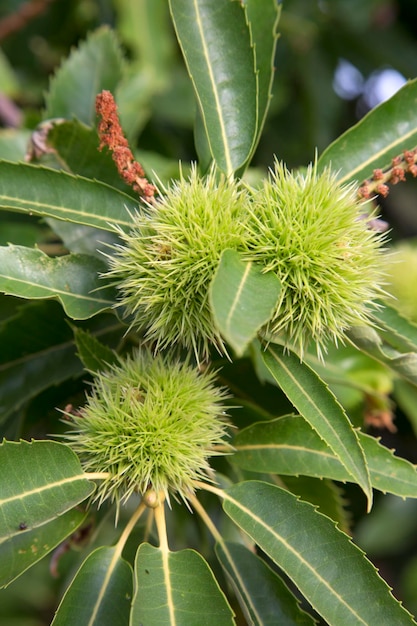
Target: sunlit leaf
(385, 132)
(41, 191)
(177, 588)
(289, 446)
(327, 568)
(29, 546)
(319, 407)
(215, 41)
(38, 482)
(73, 279)
(242, 299)
(100, 593)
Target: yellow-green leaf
(242, 299)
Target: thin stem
(206, 519)
(128, 528)
(237, 578)
(161, 527)
(197, 506)
(149, 522)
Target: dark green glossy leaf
(319, 407)
(263, 17)
(289, 446)
(41, 191)
(74, 279)
(177, 588)
(264, 596)
(202, 146)
(322, 493)
(100, 594)
(29, 546)
(373, 142)
(77, 149)
(39, 481)
(95, 65)
(94, 355)
(327, 568)
(37, 351)
(242, 298)
(215, 40)
(19, 232)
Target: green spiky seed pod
(169, 257)
(311, 231)
(151, 424)
(402, 279)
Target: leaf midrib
(199, 23)
(296, 554)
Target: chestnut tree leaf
(264, 596)
(36, 190)
(327, 568)
(94, 355)
(215, 40)
(95, 65)
(73, 279)
(372, 343)
(242, 298)
(30, 545)
(384, 133)
(288, 445)
(395, 329)
(29, 367)
(317, 404)
(100, 593)
(263, 17)
(39, 481)
(176, 588)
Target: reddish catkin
(112, 137)
(400, 166)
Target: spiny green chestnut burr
(306, 227)
(150, 423)
(314, 234)
(164, 268)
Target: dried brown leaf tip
(112, 137)
(395, 173)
